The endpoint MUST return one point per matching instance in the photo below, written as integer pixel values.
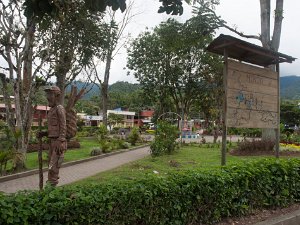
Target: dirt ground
(259, 216)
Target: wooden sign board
(252, 96)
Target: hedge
(189, 197)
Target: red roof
(147, 113)
(39, 107)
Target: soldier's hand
(60, 147)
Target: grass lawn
(188, 158)
(87, 144)
(72, 154)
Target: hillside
(290, 87)
(94, 90)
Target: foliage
(289, 114)
(171, 65)
(102, 132)
(133, 136)
(41, 8)
(114, 119)
(96, 151)
(245, 132)
(191, 197)
(256, 146)
(164, 140)
(7, 149)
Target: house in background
(90, 120)
(143, 118)
(128, 117)
(40, 111)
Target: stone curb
(292, 218)
(36, 171)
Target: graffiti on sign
(251, 96)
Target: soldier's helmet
(53, 89)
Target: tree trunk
(265, 10)
(265, 6)
(63, 66)
(104, 87)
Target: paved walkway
(76, 172)
(80, 171)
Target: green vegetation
(185, 197)
(165, 139)
(71, 154)
(207, 157)
(87, 145)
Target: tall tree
(115, 36)
(268, 41)
(24, 57)
(79, 36)
(171, 62)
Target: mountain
(290, 87)
(123, 87)
(94, 90)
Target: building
(128, 117)
(143, 118)
(39, 112)
(90, 120)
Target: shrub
(105, 146)
(102, 132)
(133, 136)
(96, 151)
(165, 140)
(256, 145)
(189, 197)
(125, 145)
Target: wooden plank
(253, 83)
(251, 101)
(252, 96)
(252, 70)
(251, 118)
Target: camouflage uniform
(57, 139)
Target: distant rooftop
(247, 52)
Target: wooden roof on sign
(247, 52)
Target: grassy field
(188, 158)
(70, 155)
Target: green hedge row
(188, 197)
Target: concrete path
(76, 172)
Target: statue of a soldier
(56, 134)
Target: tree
(79, 37)
(66, 43)
(53, 8)
(115, 35)
(268, 41)
(289, 114)
(171, 63)
(24, 56)
(114, 119)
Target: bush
(190, 197)
(133, 136)
(96, 151)
(105, 146)
(256, 146)
(102, 132)
(165, 140)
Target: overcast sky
(243, 14)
